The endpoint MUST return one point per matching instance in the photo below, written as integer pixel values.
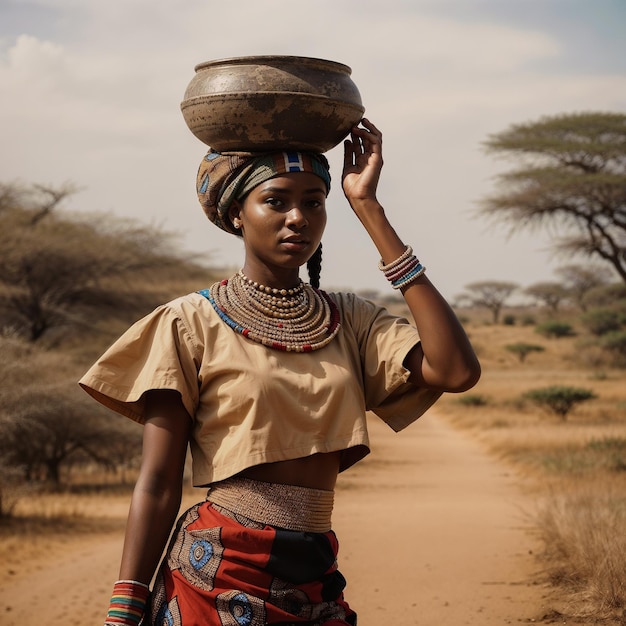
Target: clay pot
(261, 103)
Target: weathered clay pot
(261, 103)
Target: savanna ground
(575, 466)
(529, 509)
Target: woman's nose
(295, 217)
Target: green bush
(603, 321)
(559, 399)
(555, 329)
(523, 349)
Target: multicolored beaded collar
(302, 319)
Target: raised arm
(445, 359)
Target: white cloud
(31, 57)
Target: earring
(237, 225)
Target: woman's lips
(295, 243)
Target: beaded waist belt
(284, 506)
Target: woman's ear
(234, 214)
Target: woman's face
(282, 221)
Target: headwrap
(225, 177)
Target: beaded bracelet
(408, 278)
(128, 603)
(404, 270)
(390, 266)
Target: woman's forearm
(150, 519)
(446, 359)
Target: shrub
(615, 342)
(603, 321)
(555, 329)
(523, 349)
(473, 400)
(559, 399)
(509, 320)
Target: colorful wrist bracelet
(128, 603)
(404, 270)
(409, 277)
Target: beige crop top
(251, 404)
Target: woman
(268, 380)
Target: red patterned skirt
(224, 567)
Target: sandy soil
(432, 532)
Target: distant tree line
(580, 286)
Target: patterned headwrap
(223, 178)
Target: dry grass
(577, 467)
(582, 527)
(50, 522)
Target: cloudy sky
(90, 94)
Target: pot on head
(264, 103)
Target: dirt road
(439, 536)
(432, 532)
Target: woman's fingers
(371, 127)
(366, 139)
(348, 154)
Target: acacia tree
(47, 432)
(571, 179)
(490, 294)
(580, 280)
(57, 271)
(47, 423)
(549, 293)
(559, 399)
(523, 349)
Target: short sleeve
(157, 352)
(384, 340)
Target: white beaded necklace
(300, 319)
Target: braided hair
(314, 267)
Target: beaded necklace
(301, 319)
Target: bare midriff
(318, 471)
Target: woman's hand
(362, 163)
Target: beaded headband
(224, 177)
